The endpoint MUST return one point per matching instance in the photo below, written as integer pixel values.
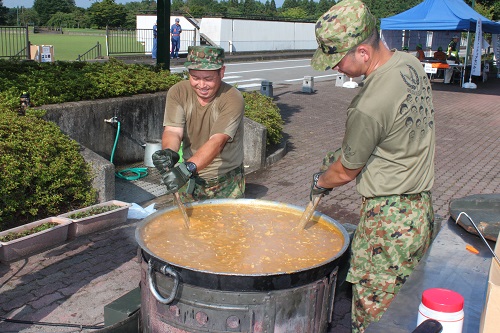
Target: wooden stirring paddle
(309, 211)
(179, 203)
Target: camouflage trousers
(228, 186)
(393, 234)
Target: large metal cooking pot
(179, 299)
(239, 282)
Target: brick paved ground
(73, 282)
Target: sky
(83, 3)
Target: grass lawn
(67, 46)
(76, 42)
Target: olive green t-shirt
(223, 115)
(390, 130)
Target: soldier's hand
(176, 178)
(165, 159)
(317, 190)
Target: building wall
(252, 36)
(236, 35)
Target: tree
(272, 6)
(295, 13)
(3, 13)
(287, 4)
(107, 13)
(382, 9)
(323, 6)
(309, 6)
(66, 20)
(29, 16)
(47, 8)
(177, 5)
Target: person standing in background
(175, 33)
(155, 40)
(453, 49)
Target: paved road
(249, 75)
(248, 70)
(73, 282)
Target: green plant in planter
(15, 235)
(93, 211)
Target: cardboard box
(490, 318)
(42, 53)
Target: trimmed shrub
(42, 172)
(263, 110)
(59, 82)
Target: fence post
(28, 44)
(99, 54)
(107, 41)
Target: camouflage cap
(204, 58)
(341, 28)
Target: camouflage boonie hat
(204, 58)
(341, 28)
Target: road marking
(232, 77)
(268, 69)
(317, 77)
(263, 62)
(249, 85)
(249, 80)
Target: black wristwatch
(191, 167)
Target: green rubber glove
(165, 159)
(176, 178)
(317, 190)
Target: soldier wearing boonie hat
(341, 28)
(205, 114)
(388, 148)
(204, 58)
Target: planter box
(21, 247)
(90, 224)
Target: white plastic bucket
(151, 147)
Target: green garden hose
(130, 173)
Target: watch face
(191, 167)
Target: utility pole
(163, 21)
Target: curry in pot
(242, 239)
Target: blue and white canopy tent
(433, 22)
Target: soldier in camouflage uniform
(388, 147)
(206, 115)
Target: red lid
(442, 300)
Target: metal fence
(14, 42)
(140, 41)
(94, 53)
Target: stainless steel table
(448, 265)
